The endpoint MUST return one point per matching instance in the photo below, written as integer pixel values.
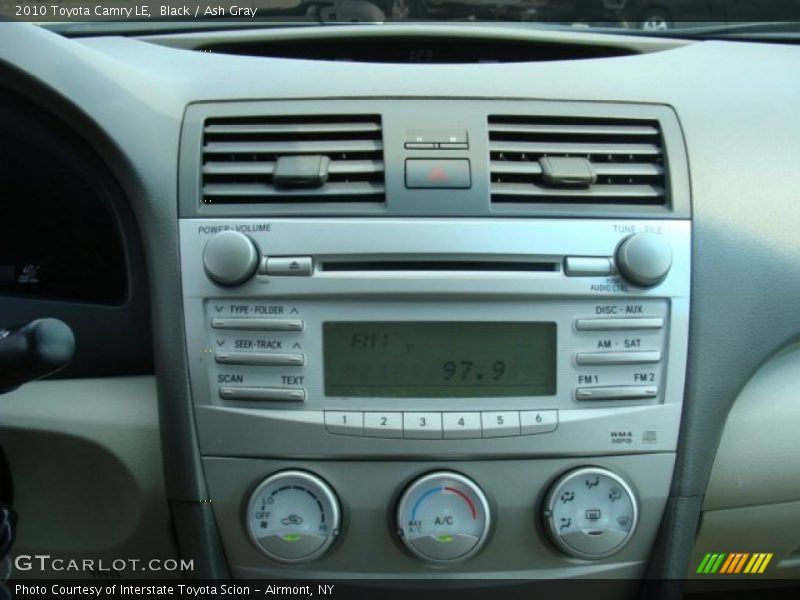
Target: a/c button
(424, 173)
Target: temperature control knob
(644, 259)
(443, 518)
(293, 516)
(230, 258)
(590, 513)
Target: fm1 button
(423, 173)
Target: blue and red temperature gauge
(443, 517)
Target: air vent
(608, 161)
(241, 158)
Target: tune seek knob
(230, 258)
(644, 259)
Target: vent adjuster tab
(301, 171)
(568, 170)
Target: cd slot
(442, 266)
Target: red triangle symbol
(438, 174)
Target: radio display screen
(417, 359)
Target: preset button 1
(344, 422)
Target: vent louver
(240, 157)
(624, 157)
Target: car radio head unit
(406, 332)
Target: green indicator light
(291, 537)
(443, 538)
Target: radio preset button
(383, 424)
(533, 422)
(300, 266)
(259, 359)
(617, 358)
(617, 392)
(500, 424)
(257, 324)
(619, 324)
(587, 266)
(344, 422)
(422, 425)
(461, 425)
(262, 393)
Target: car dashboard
(422, 301)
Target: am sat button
(424, 173)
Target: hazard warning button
(437, 173)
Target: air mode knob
(644, 259)
(590, 513)
(230, 258)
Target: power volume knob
(230, 258)
(644, 259)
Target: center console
(380, 394)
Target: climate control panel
(444, 517)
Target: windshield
(640, 16)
